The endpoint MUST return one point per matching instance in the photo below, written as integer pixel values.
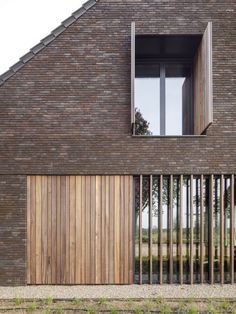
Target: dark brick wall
(68, 110)
(12, 230)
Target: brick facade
(67, 111)
(12, 230)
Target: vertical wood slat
(83, 230)
(69, 232)
(58, 227)
(49, 246)
(130, 209)
(38, 216)
(54, 230)
(170, 211)
(191, 229)
(140, 231)
(98, 229)
(160, 229)
(201, 231)
(181, 232)
(117, 229)
(211, 257)
(63, 228)
(221, 229)
(150, 229)
(93, 231)
(72, 216)
(32, 217)
(29, 271)
(232, 229)
(44, 229)
(78, 223)
(111, 228)
(121, 234)
(88, 231)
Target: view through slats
(79, 230)
(185, 229)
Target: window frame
(205, 106)
(163, 62)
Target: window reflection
(178, 99)
(147, 100)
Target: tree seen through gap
(141, 125)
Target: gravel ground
(119, 292)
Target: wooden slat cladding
(203, 91)
(79, 230)
(185, 229)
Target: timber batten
(194, 221)
(79, 230)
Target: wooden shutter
(132, 75)
(203, 90)
(79, 230)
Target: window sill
(169, 136)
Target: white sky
(23, 23)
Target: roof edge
(46, 41)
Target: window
(171, 84)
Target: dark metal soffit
(47, 40)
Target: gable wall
(68, 110)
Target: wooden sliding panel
(133, 77)
(203, 90)
(79, 230)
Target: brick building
(108, 173)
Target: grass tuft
(18, 301)
(90, 310)
(31, 307)
(76, 301)
(48, 300)
(102, 301)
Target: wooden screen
(203, 93)
(79, 229)
(132, 75)
(185, 229)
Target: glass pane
(147, 100)
(178, 99)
